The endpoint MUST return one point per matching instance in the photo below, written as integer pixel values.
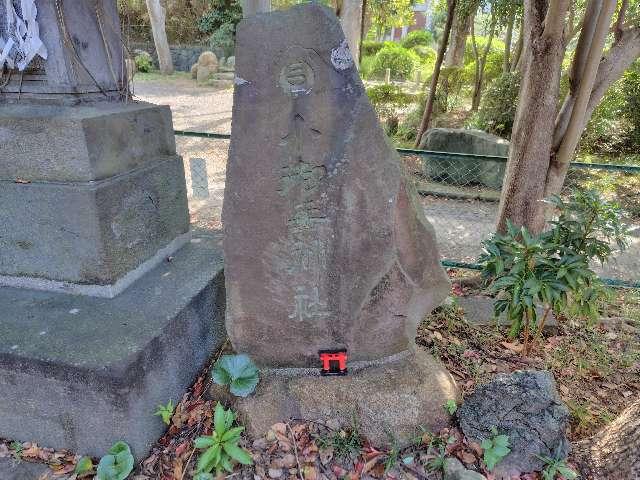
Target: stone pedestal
(392, 396)
(80, 372)
(93, 196)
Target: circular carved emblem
(297, 78)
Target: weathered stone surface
(92, 232)
(208, 59)
(88, 26)
(11, 469)
(525, 406)
(454, 470)
(81, 373)
(325, 245)
(40, 143)
(465, 170)
(205, 73)
(462, 140)
(194, 71)
(395, 397)
(479, 311)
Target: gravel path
(460, 224)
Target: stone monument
(97, 327)
(325, 246)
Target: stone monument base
(81, 372)
(393, 397)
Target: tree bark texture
(251, 7)
(350, 14)
(506, 61)
(481, 62)
(613, 453)
(428, 109)
(157, 17)
(531, 138)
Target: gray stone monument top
(84, 52)
(325, 245)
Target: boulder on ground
(465, 170)
(208, 59)
(231, 62)
(526, 407)
(194, 71)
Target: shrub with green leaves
(221, 449)
(388, 99)
(144, 62)
(370, 48)
(418, 38)
(220, 22)
(552, 269)
(117, 464)
(497, 110)
(631, 108)
(237, 371)
(494, 449)
(398, 59)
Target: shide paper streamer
(19, 35)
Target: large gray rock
(465, 169)
(525, 406)
(325, 244)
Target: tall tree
(428, 109)
(157, 17)
(543, 140)
(481, 60)
(389, 13)
(350, 14)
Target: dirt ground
(460, 225)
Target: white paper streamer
(22, 42)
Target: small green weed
(495, 449)
(17, 449)
(554, 467)
(346, 443)
(165, 412)
(451, 406)
(117, 464)
(83, 467)
(221, 448)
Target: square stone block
(48, 143)
(91, 233)
(80, 373)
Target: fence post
(199, 178)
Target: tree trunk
(517, 52)
(615, 451)
(454, 56)
(350, 14)
(532, 134)
(506, 61)
(157, 19)
(481, 62)
(428, 109)
(251, 7)
(560, 160)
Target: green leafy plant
(370, 48)
(497, 110)
(554, 467)
(117, 464)
(83, 467)
(165, 412)
(451, 406)
(387, 100)
(237, 371)
(221, 449)
(552, 269)
(17, 449)
(144, 62)
(494, 449)
(220, 22)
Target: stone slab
(396, 397)
(326, 246)
(81, 373)
(479, 311)
(41, 143)
(91, 233)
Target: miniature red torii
(334, 362)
